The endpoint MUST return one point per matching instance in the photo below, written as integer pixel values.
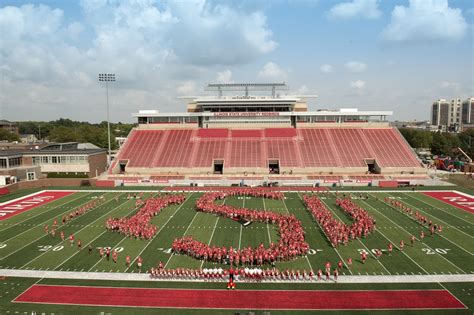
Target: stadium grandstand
(260, 135)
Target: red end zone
(241, 299)
(13, 208)
(460, 201)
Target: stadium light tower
(107, 77)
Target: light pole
(107, 77)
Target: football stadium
(247, 203)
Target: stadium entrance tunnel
(218, 166)
(274, 166)
(291, 244)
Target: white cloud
(367, 9)
(152, 47)
(449, 84)
(271, 71)
(355, 66)
(358, 84)
(425, 20)
(326, 68)
(187, 88)
(303, 89)
(224, 76)
(219, 34)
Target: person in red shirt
(139, 263)
(339, 265)
(101, 252)
(349, 262)
(320, 274)
(390, 249)
(127, 261)
(328, 266)
(378, 253)
(363, 257)
(114, 256)
(71, 239)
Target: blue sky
(387, 55)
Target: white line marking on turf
(439, 234)
(77, 232)
(369, 251)
(423, 243)
(43, 235)
(453, 294)
(268, 227)
(432, 215)
(141, 252)
(212, 235)
(31, 217)
(185, 232)
(48, 220)
(307, 259)
(394, 244)
(442, 209)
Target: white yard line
(240, 237)
(162, 228)
(288, 211)
(443, 210)
(92, 241)
(77, 232)
(118, 276)
(368, 250)
(19, 198)
(335, 249)
(34, 216)
(417, 239)
(212, 235)
(42, 235)
(433, 216)
(48, 220)
(172, 255)
(439, 234)
(394, 244)
(268, 227)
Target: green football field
(25, 245)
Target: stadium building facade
(262, 137)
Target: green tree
(63, 134)
(9, 136)
(440, 145)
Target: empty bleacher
(253, 148)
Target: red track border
(241, 299)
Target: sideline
(146, 277)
